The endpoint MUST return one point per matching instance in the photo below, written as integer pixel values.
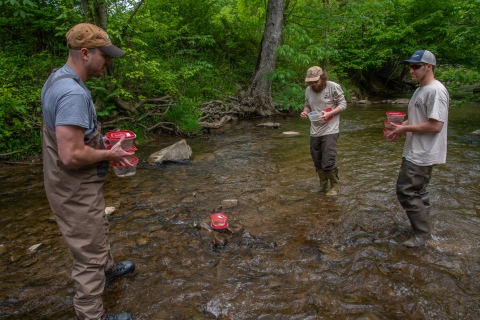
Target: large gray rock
(178, 152)
(474, 134)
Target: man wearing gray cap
(425, 144)
(326, 98)
(75, 163)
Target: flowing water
(291, 254)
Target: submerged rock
(229, 203)
(269, 125)
(474, 134)
(179, 152)
(291, 133)
(109, 210)
(35, 247)
(401, 101)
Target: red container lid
(132, 149)
(117, 135)
(396, 113)
(133, 162)
(218, 216)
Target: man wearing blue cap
(425, 143)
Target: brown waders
(76, 199)
(412, 194)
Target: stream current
(292, 254)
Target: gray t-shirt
(332, 94)
(428, 102)
(69, 102)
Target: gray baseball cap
(420, 56)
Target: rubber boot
(323, 186)
(333, 178)
(120, 316)
(421, 228)
(121, 269)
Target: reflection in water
(291, 254)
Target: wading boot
(121, 316)
(416, 241)
(333, 178)
(323, 187)
(421, 228)
(121, 269)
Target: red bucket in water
(219, 220)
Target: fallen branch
(216, 124)
(13, 152)
(159, 125)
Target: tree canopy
(183, 53)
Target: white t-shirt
(428, 102)
(333, 94)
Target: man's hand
(117, 154)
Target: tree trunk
(260, 87)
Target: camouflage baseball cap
(313, 74)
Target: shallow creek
(292, 254)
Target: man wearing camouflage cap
(75, 162)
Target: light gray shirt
(69, 102)
(332, 94)
(428, 102)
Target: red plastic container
(122, 171)
(219, 220)
(330, 118)
(132, 149)
(395, 116)
(386, 133)
(115, 136)
(388, 125)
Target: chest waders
(76, 198)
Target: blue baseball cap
(420, 56)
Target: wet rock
(270, 125)
(203, 226)
(475, 134)
(401, 101)
(109, 210)
(142, 241)
(229, 203)
(179, 152)
(30, 262)
(35, 247)
(364, 102)
(291, 133)
(219, 239)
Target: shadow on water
(291, 254)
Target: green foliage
(185, 113)
(196, 50)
